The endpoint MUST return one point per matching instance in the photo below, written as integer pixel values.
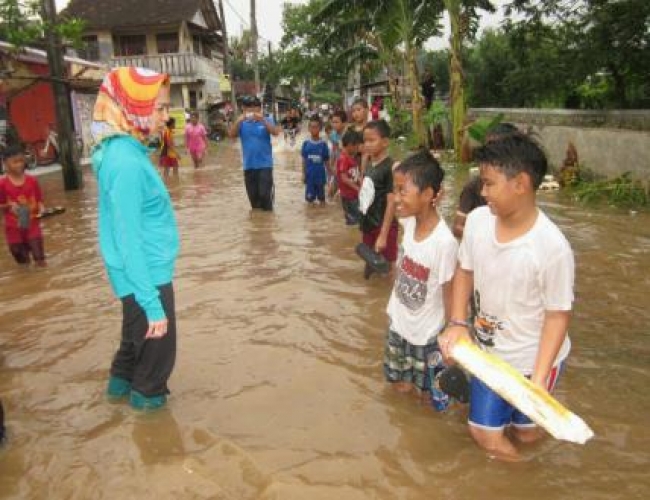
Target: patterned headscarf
(125, 103)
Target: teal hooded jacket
(138, 236)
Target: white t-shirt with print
(515, 283)
(415, 307)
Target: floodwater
(278, 391)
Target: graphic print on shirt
(411, 283)
(486, 325)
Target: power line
(244, 21)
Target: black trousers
(260, 188)
(147, 364)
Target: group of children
(508, 285)
(196, 144)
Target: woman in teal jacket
(138, 237)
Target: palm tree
(463, 20)
(388, 31)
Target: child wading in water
(168, 155)
(519, 268)
(22, 202)
(348, 177)
(421, 298)
(315, 155)
(378, 223)
(196, 140)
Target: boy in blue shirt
(315, 155)
(255, 131)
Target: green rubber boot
(118, 388)
(139, 401)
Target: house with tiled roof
(182, 38)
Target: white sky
(269, 19)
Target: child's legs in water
(405, 364)
(490, 416)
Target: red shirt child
(22, 202)
(347, 170)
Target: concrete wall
(608, 142)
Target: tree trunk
(254, 46)
(457, 91)
(72, 177)
(416, 97)
(227, 62)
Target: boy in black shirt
(378, 223)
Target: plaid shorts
(405, 362)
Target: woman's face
(160, 110)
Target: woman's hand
(380, 244)
(157, 329)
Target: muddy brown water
(278, 391)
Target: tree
(386, 31)
(606, 39)
(463, 20)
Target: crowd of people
(507, 284)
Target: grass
(622, 191)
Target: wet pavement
(278, 391)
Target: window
(130, 45)
(198, 49)
(193, 101)
(167, 43)
(90, 50)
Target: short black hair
(514, 154)
(340, 114)
(316, 119)
(171, 122)
(360, 100)
(381, 126)
(251, 101)
(13, 149)
(351, 137)
(424, 170)
(501, 130)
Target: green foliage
(437, 62)
(480, 128)
(21, 24)
(401, 121)
(437, 114)
(622, 191)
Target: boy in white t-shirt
(519, 268)
(421, 295)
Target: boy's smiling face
(502, 194)
(409, 200)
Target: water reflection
(278, 391)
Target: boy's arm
(554, 331)
(389, 215)
(462, 286)
(233, 131)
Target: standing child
(339, 123)
(22, 202)
(519, 267)
(359, 115)
(378, 223)
(196, 140)
(168, 154)
(421, 299)
(315, 155)
(347, 176)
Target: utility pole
(72, 178)
(254, 44)
(226, 59)
(271, 84)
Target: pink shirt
(196, 137)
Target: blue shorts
(490, 411)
